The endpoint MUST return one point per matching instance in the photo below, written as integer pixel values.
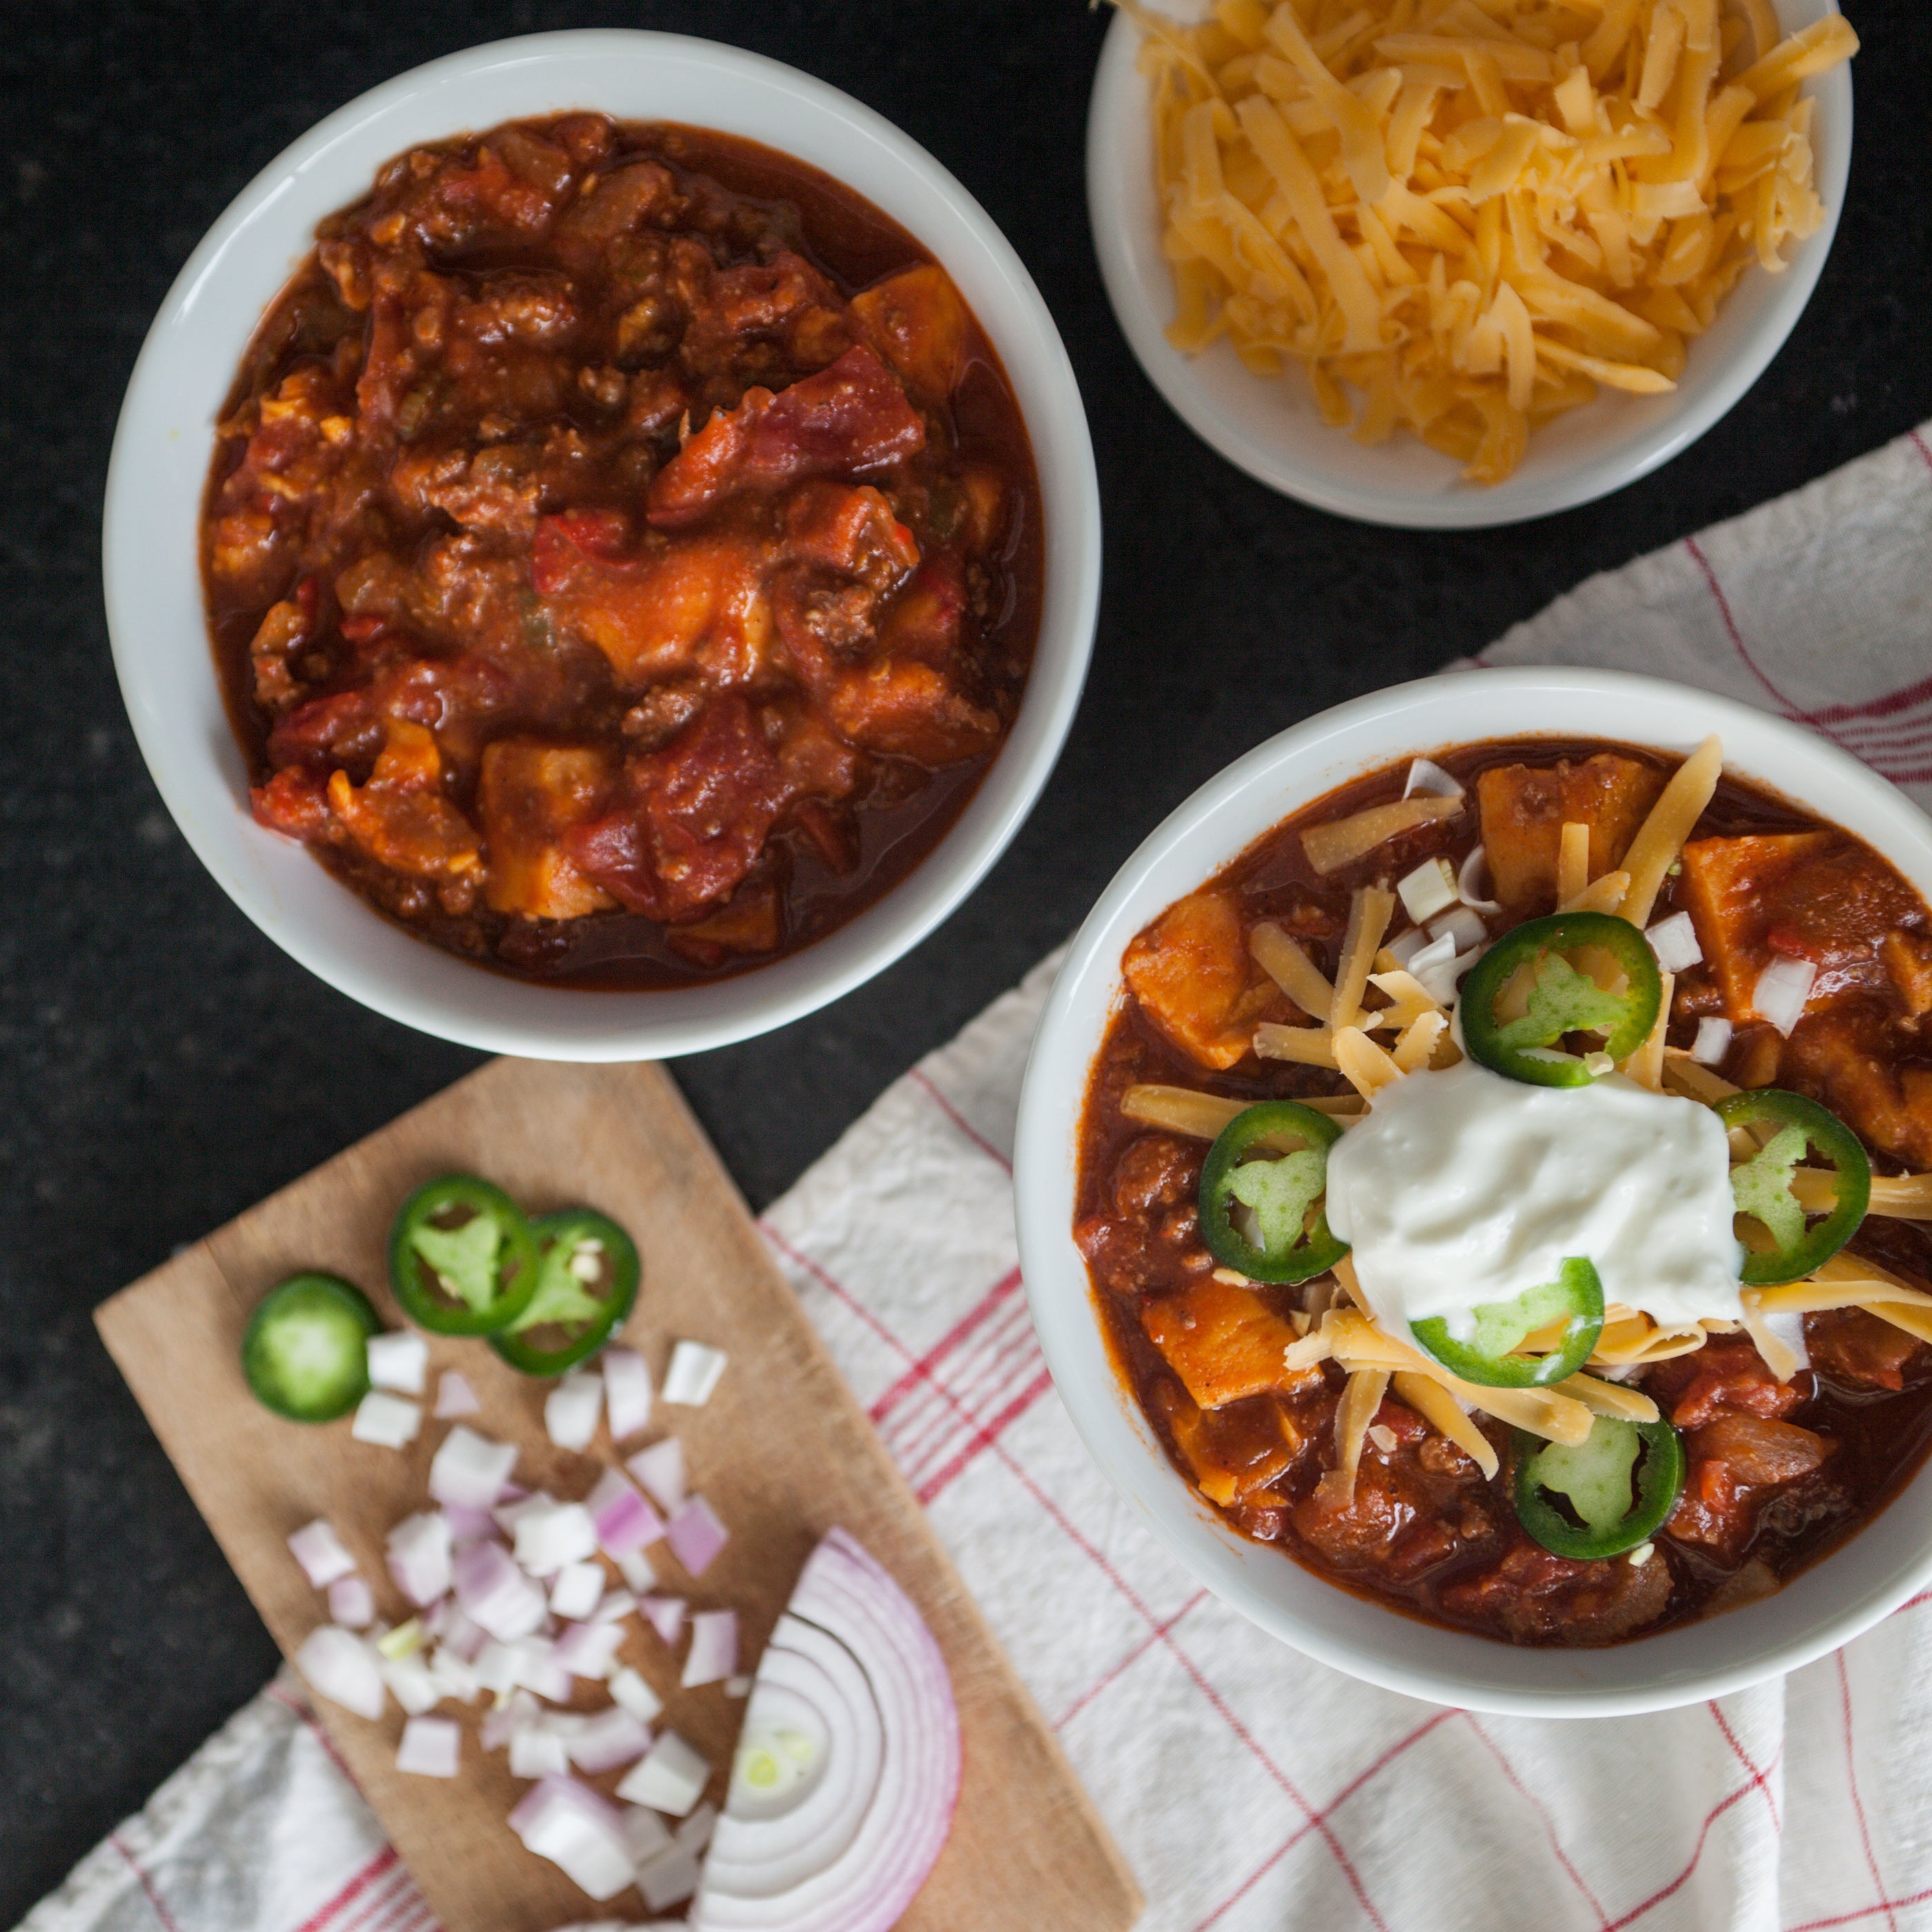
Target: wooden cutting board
(782, 1450)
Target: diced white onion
(693, 1373)
(1469, 881)
(411, 1684)
(627, 1393)
(1783, 989)
(669, 1879)
(1429, 890)
(452, 1677)
(636, 1696)
(549, 1535)
(571, 1410)
(613, 1606)
(569, 1824)
(1789, 1328)
(398, 1361)
(419, 1550)
(576, 1590)
(337, 1664)
(431, 1747)
(637, 1571)
(738, 1687)
(454, 1397)
(389, 1421)
(469, 1471)
(517, 1711)
(611, 1739)
(671, 1779)
(537, 1751)
(1674, 940)
(538, 1669)
(317, 1548)
(1713, 1041)
(1464, 925)
(352, 1604)
(660, 1470)
(646, 1833)
(694, 1834)
(496, 1667)
(713, 1655)
(1406, 945)
(1426, 775)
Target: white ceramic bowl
(1886, 1562)
(164, 443)
(1272, 429)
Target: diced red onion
(1427, 776)
(569, 1824)
(518, 1711)
(613, 1606)
(352, 1604)
(337, 1664)
(540, 1669)
(660, 1469)
(627, 1393)
(495, 1594)
(468, 1526)
(454, 1397)
(576, 1590)
(1435, 967)
(410, 1684)
(537, 1751)
(669, 1879)
(624, 1521)
(1427, 890)
(670, 1779)
(418, 1552)
(693, 1374)
(635, 1696)
(637, 1571)
(665, 1614)
(458, 1634)
(739, 1686)
(496, 1667)
(585, 1650)
(1464, 925)
(571, 1410)
(645, 1834)
(1674, 940)
(1469, 881)
(469, 1471)
(399, 1361)
(431, 1747)
(1713, 1041)
(713, 1655)
(694, 1834)
(696, 1536)
(843, 1845)
(550, 1534)
(1406, 945)
(389, 1421)
(1783, 990)
(452, 1675)
(317, 1548)
(612, 1738)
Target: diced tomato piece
(293, 802)
(1223, 1341)
(1727, 1373)
(1525, 808)
(529, 796)
(1849, 1346)
(911, 710)
(1191, 972)
(695, 818)
(324, 728)
(845, 419)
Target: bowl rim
(1116, 110)
(258, 236)
(1370, 1640)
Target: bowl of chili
(1102, 1230)
(488, 705)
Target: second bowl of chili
(673, 607)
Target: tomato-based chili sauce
(1778, 1473)
(623, 552)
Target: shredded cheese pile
(1475, 211)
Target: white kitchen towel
(1250, 1788)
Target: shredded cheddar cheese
(1475, 213)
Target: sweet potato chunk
(530, 795)
(917, 322)
(1525, 808)
(1811, 895)
(1847, 1055)
(1191, 972)
(1231, 1458)
(400, 817)
(1223, 1341)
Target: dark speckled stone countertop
(162, 1065)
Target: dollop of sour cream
(1461, 1188)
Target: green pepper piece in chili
(1617, 1501)
(305, 1352)
(1279, 1192)
(1762, 1186)
(1562, 1000)
(587, 1274)
(462, 1258)
(1575, 1298)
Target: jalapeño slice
(1562, 999)
(587, 1273)
(1279, 1191)
(1762, 1186)
(462, 1259)
(305, 1352)
(1620, 1482)
(1575, 1298)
